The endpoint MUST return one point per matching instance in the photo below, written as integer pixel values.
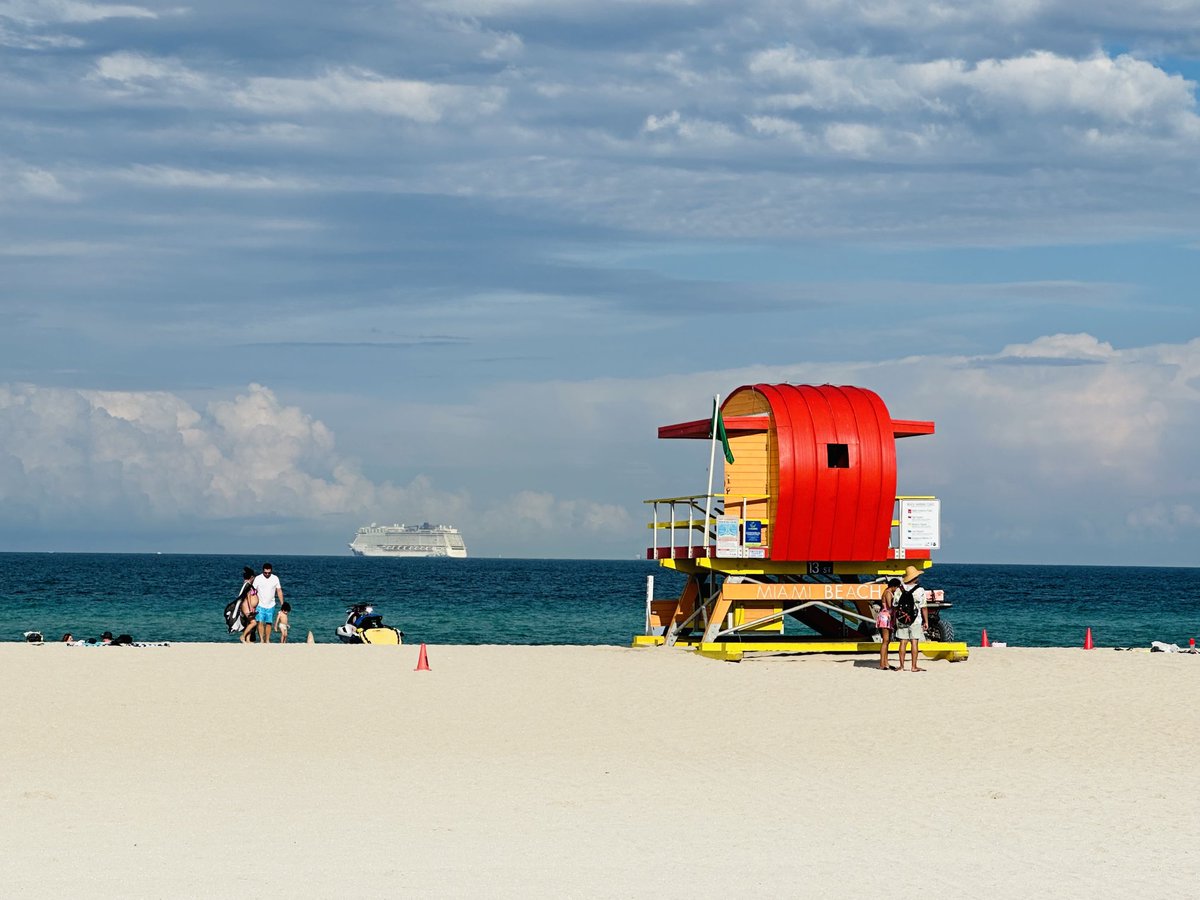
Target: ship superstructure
(409, 540)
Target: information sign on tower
(920, 524)
(729, 538)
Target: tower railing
(668, 516)
(687, 513)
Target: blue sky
(270, 271)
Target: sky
(271, 271)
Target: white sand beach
(322, 771)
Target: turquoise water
(524, 601)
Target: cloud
(24, 41)
(139, 461)
(1095, 96)
(339, 91)
(140, 73)
(47, 12)
(20, 181)
(709, 121)
(505, 46)
(173, 177)
(1163, 518)
(43, 184)
(152, 456)
(1078, 347)
(1037, 462)
(582, 189)
(537, 515)
(355, 90)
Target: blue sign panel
(753, 531)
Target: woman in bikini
(248, 597)
(883, 620)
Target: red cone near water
(422, 661)
(1087, 640)
(985, 642)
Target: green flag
(719, 431)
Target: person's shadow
(863, 663)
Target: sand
(322, 771)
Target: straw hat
(912, 573)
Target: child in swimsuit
(281, 622)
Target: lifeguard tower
(806, 528)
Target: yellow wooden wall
(751, 471)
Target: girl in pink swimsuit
(883, 620)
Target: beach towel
(234, 619)
(1161, 647)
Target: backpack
(905, 610)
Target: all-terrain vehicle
(365, 626)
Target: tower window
(838, 456)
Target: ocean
(543, 601)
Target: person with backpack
(910, 615)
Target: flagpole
(712, 461)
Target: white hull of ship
(450, 552)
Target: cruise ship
(408, 540)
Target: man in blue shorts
(269, 593)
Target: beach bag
(904, 612)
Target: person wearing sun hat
(912, 598)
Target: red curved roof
(825, 513)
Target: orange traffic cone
(985, 642)
(1087, 640)
(422, 661)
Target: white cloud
(1063, 442)
(764, 133)
(360, 90)
(690, 130)
(1123, 89)
(1164, 518)
(854, 139)
(139, 73)
(21, 181)
(172, 177)
(1036, 457)
(504, 46)
(139, 460)
(485, 8)
(43, 12)
(338, 91)
(1062, 346)
(40, 183)
(540, 514)
(155, 458)
(60, 249)
(1109, 91)
(24, 41)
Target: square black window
(839, 456)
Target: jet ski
(365, 626)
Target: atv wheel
(942, 630)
